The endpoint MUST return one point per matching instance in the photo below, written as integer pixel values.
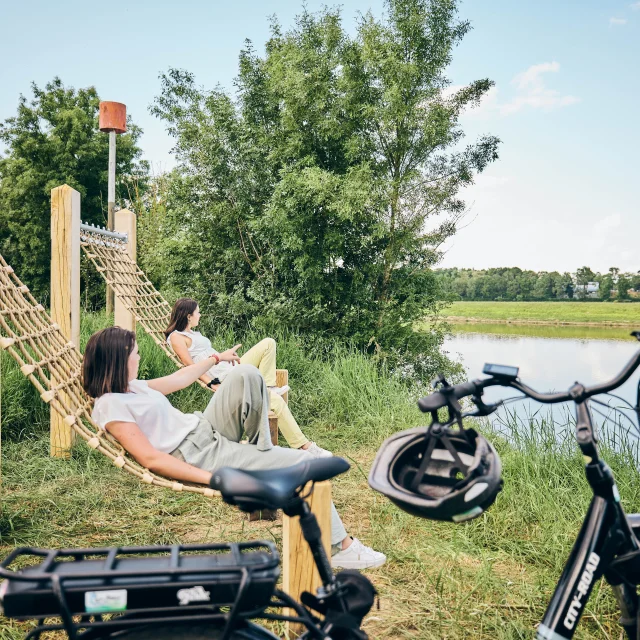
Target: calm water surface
(550, 358)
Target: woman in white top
(191, 346)
(191, 446)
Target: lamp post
(113, 120)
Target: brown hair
(181, 309)
(105, 366)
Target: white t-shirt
(164, 425)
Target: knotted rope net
(131, 285)
(54, 366)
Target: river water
(550, 359)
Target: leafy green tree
(606, 287)
(54, 139)
(543, 289)
(623, 285)
(308, 200)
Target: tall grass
(491, 578)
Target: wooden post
(282, 379)
(299, 572)
(125, 222)
(65, 290)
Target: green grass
(491, 578)
(581, 332)
(583, 312)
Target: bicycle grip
(437, 400)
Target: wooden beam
(282, 379)
(299, 572)
(125, 222)
(65, 290)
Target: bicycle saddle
(272, 488)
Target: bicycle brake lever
(482, 409)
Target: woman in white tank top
(191, 347)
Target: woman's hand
(230, 355)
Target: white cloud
(532, 92)
(607, 224)
(635, 6)
(616, 22)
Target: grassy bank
(589, 313)
(491, 578)
(581, 332)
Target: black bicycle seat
(272, 488)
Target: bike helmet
(438, 473)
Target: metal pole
(111, 203)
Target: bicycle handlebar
(578, 393)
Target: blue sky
(565, 191)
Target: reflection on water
(550, 358)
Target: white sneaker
(357, 556)
(317, 452)
(280, 390)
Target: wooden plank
(282, 378)
(299, 572)
(273, 428)
(125, 222)
(65, 290)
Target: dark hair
(105, 366)
(181, 309)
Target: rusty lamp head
(113, 117)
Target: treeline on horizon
(515, 284)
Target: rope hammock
(54, 365)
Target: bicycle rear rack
(138, 585)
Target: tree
(543, 289)
(623, 285)
(54, 139)
(606, 287)
(313, 192)
(584, 275)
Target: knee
(270, 343)
(246, 372)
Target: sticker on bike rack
(193, 594)
(103, 601)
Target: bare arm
(129, 435)
(181, 378)
(181, 349)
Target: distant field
(548, 312)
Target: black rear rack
(138, 585)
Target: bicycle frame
(605, 533)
